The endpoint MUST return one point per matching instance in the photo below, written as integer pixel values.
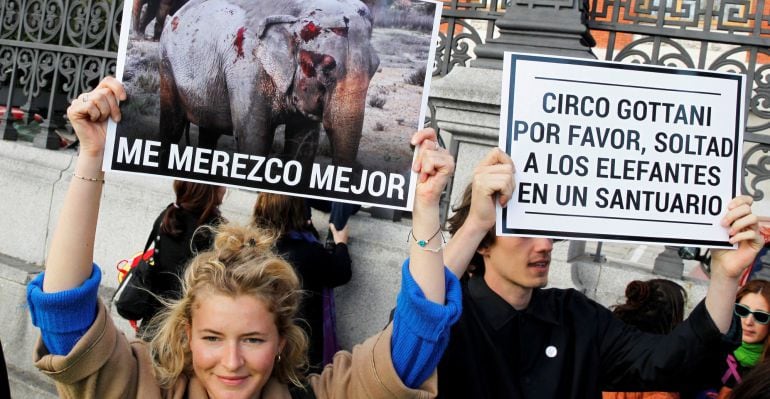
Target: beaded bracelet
(91, 179)
(422, 244)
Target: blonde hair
(241, 262)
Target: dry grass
(148, 82)
(377, 101)
(417, 77)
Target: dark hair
(197, 198)
(457, 220)
(755, 385)
(279, 213)
(761, 288)
(655, 306)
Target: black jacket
(564, 345)
(317, 269)
(173, 254)
(5, 389)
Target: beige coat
(104, 365)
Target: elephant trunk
(343, 118)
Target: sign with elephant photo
(312, 98)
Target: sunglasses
(744, 311)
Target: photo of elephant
(155, 9)
(313, 98)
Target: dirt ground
(385, 138)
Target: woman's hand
(89, 112)
(435, 166)
(340, 236)
(744, 230)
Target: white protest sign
(302, 97)
(620, 152)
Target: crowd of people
(247, 311)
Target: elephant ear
(276, 50)
(374, 63)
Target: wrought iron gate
(51, 50)
(722, 35)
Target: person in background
(233, 332)
(654, 306)
(319, 269)
(179, 239)
(339, 214)
(759, 262)
(753, 307)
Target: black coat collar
(497, 312)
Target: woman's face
(234, 344)
(754, 332)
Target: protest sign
(620, 152)
(313, 98)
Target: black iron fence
(51, 50)
(720, 35)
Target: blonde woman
(232, 334)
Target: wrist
(473, 228)
(90, 158)
(89, 168)
(718, 274)
(424, 204)
(433, 241)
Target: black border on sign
(637, 67)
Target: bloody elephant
(157, 9)
(245, 67)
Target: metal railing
(51, 50)
(720, 35)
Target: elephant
(157, 9)
(245, 67)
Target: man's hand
(492, 181)
(744, 230)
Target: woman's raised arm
(434, 167)
(70, 257)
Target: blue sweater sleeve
(63, 317)
(421, 327)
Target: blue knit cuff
(63, 317)
(424, 318)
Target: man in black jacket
(518, 340)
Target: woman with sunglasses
(753, 307)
